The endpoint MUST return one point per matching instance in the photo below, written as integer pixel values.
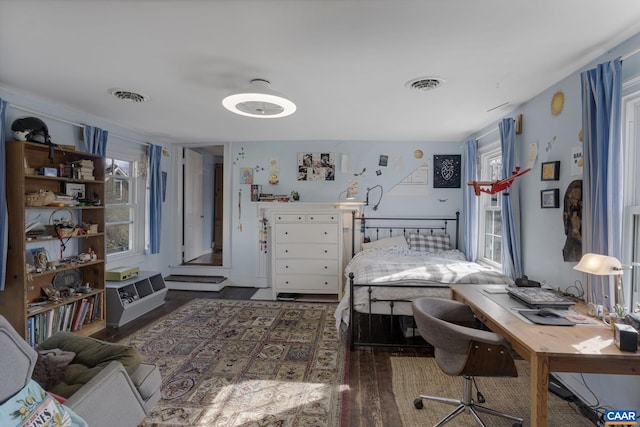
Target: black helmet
(30, 129)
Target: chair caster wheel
(418, 403)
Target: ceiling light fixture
(127, 95)
(259, 102)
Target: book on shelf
(77, 311)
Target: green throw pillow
(92, 356)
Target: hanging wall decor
(446, 170)
(246, 175)
(557, 103)
(550, 198)
(316, 167)
(550, 171)
(572, 219)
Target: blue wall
(543, 234)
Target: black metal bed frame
(359, 226)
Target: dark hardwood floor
(371, 400)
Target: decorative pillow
(429, 242)
(92, 356)
(58, 356)
(47, 372)
(50, 366)
(32, 406)
(385, 243)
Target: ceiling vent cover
(127, 95)
(424, 83)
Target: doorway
(203, 206)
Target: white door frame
(176, 256)
(193, 224)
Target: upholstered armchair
(103, 396)
(461, 350)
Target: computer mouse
(548, 312)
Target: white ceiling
(344, 63)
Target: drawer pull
(312, 218)
(299, 217)
(286, 232)
(286, 251)
(326, 267)
(325, 233)
(286, 266)
(326, 251)
(326, 283)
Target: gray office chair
(462, 350)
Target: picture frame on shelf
(550, 171)
(74, 189)
(40, 258)
(550, 198)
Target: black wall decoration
(446, 170)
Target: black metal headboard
(376, 228)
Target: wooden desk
(588, 349)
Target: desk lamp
(602, 265)
(349, 196)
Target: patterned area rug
(247, 363)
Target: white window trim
(136, 153)
(631, 191)
(484, 152)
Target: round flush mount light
(259, 101)
(128, 95)
(424, 83)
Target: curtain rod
(623, 57)
(486, 134)
(80, 125)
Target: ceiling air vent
(424, 83)
(127, 95)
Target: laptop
(540, 298)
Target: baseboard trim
(193, 286)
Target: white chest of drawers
(307, 252)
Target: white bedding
(400, 265)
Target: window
(631, 189)
(490, 222)
(125, 201)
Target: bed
(396, 260)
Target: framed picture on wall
(446, 170)
(550, 171)
(550, 198)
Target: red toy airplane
(492, 187)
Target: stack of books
(79, 169)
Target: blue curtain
(602, 173)
(4, 221)
(155, 198)
(470, 202)
(95, 140)
(511, 249)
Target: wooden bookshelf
(21, 301)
